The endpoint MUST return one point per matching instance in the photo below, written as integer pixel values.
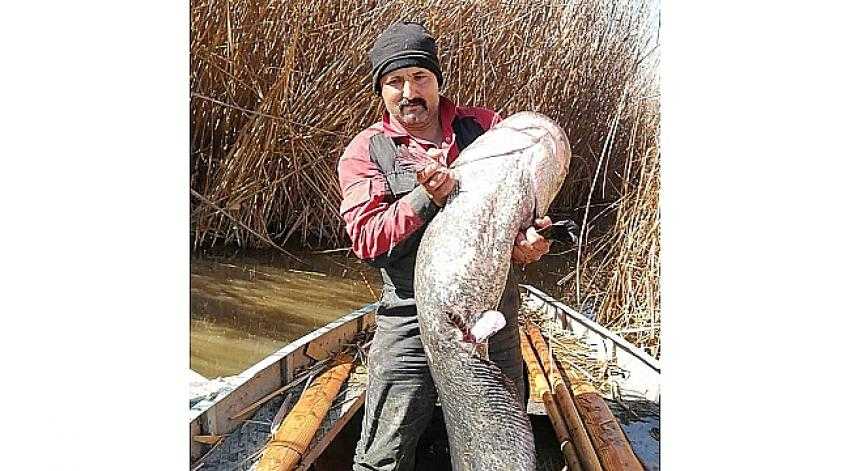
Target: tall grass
(279, 88)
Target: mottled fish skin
(506, 178)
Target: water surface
(248, 305)
(244, 307)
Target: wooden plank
(218, 419)
(196, 450)
(259, 403)
(560, 427)
(299, 360)
(288, 367)
(207, 439)
(612, 447)
(316, 451)
(565, 403)
(540, 391)
(325, 345)
(537, 384)
(289, 444)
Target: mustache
(414, 101)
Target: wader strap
(466, 130)
(383, 150)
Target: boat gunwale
(248, 374)
(620, 342)
(268, 374)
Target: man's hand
(529, 245)
(437, 179)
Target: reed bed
(617, 274)
(279, 88)
(631, 302)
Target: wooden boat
(224, 435)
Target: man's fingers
(542, 223)
(426, 173)
(446, 187)
(540, 244)
(532, 235)
(529, 246)
(518, 255)
(524, 248)
(439, 183)
(434, 153)
(436, 180)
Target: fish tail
(485, 434)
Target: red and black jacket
(384, 209)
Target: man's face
(411, 96)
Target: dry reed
(570, 350)
(279, 88)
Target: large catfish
(506, 178)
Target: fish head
(547, 164)
(527, 142)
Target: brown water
(244, 307)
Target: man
(386, 208)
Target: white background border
(96, 235)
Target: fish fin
(488, 324)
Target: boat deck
(240, 450)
